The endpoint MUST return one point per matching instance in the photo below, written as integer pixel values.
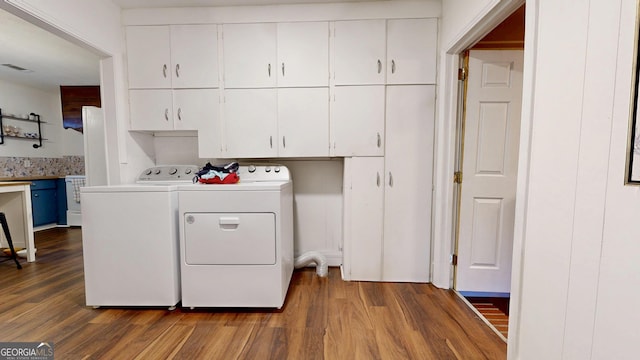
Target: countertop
(30, 178)
(13, 183)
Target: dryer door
(230, 238)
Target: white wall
(458, 16)
(22, 100)
(580, 279)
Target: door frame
(444, 206)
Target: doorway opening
(488, 131)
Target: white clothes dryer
(236, 240)
(130, 239)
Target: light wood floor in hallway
(322, 318)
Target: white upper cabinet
(359, 52)
(303, 122)
(372, 52)
(194, 56)
(249, 55)
(251, 123)
(178, 56)
(288, 122)
(184, 109)
(411, 51)
(151, 110)
(303, 54)
(357, 121)
(270, 55)
(149, 57)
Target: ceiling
(133, 4)
(52, 61)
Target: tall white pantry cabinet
(359, 89)
(387, 212)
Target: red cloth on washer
(232, 178)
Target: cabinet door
(194, 56)
(194, 107)
(150, 110)
(249, 55)
(44, 207)
(303, 54)
(199, 109)
(357, 121)
(148, 57)
(364, 195)
(411, 51)
(251, 123)
(360, 51)
(408, 181)
(303, 122)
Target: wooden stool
(5, 228)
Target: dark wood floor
(322, 318)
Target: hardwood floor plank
(323, 318)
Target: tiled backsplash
(30, 166)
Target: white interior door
(490, 162)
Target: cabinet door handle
(177, 70)
(393, 66)
(282, 69)
(379, 140)
(378, 179)
(271, 142)
(166, 114)
(36, 195)
(269, 69)
(164, 70)
(284, 144)
(379, 66)
(180, 114)
(390, 179)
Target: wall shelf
(32, 118)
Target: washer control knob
(276, 169)
(173, 171)
(148, 172)
(251, 168)
(267, 168)
(188, 171)
(157, 171)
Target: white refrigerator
(95, 146)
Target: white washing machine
(130, 239)
(236, 240)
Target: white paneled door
(489, 171)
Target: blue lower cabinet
(44, 202)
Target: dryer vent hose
(313, 257)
